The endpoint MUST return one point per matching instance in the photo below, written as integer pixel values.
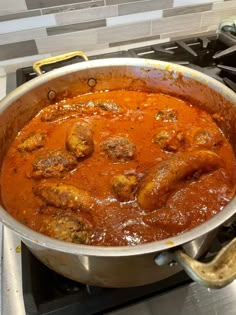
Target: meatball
(34, 141)
(124, 187)
(169, 140)
(207, 138)
(108, 106)
(53, 164)
(62, 111)
(103, 106)
(57, 111)
(119, 148)
(80, 140)
(67, 228)
(156, 186)
(167, 115)
(63, 196)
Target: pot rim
(118, 251)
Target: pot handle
(47, 61)
(215, 274)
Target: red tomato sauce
(155, 132)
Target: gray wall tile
(86, 15)
(132, 41)
(180, 3)
(35, 4)
(75, 27)
(224, 5)
(124, 32)
(20, 15)
(185, 33)
(12, 6)
(16, 50)
(88, 49)
(193, 33)
(143, 6)
(109, 2)
(187, 9)
(215, 17)
(176, 23)
(28, 23)
(69, 41)
(134, 18)
(22, 36)
(76, 6)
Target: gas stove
(45, 292)
(210, 55)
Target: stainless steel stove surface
(46, 292)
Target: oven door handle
(215, 274)
(47, 61)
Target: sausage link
(63, 196)
(156, 186)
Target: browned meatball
(156, 186)
(124, 187)
(53, 164)
(64, 196)
(207, 138)
(102, 106)
(80, 140)
(33, 142)
(169, 140)
(119, 148)
(167, 115)
(57, 111)
(107, 106)
(61, 111)
(67, 228)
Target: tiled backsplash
(34, 29)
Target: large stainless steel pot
(142, 264)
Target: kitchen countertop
(189, 299)
(2, 83)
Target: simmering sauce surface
(118, 168)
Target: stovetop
(205, 54)
(46, 292)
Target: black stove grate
(206, 54)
